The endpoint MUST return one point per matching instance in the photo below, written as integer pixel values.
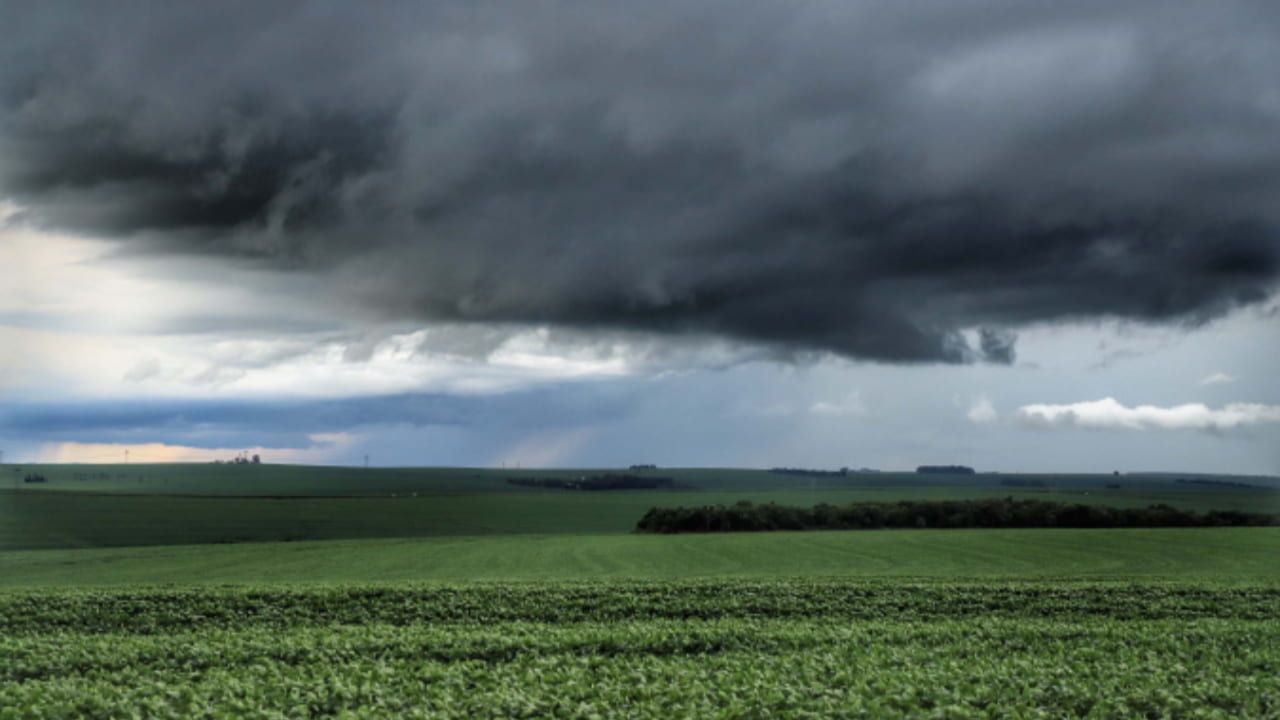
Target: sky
(1020, 236)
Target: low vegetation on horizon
(745, 516)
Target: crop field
(204, 479)
(119, 505)
(781, 647)
(452, 593)
(52, 520)
(1222, 554)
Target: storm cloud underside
(906, 183)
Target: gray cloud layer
(867, 179)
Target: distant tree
(257, 460)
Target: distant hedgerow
(993, 513)
(598, 482)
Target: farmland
(1220, 554)
(118, 505)
(454, 593)
(626, 649)
(270, 480)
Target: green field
(1223, 554)
(323, 481)
(777, 648)
(450, 593)
(97, 506)
(52, 520)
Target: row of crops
(692, 649)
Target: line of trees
(1223, 483)
(945, 470)
(1022, 482)
(908, 514)
(805, 472)
(598, 482)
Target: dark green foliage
(1021, 482)
(945, 470)
(1223, 484)
(150, 611)
(597, 482)
(945, 514)
(781, 648)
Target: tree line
(805, 472)
(1223, 483)
(598, 482)
(913, 514)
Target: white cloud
(78, 321)
(852, 404)
(1218, 378)
(982, 411)
(1108, 413)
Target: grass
(1221, 553)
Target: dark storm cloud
(868, 179)
(997, 345)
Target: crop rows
(147, 611)
(704, 649)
